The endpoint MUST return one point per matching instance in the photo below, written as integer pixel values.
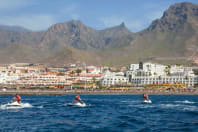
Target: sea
(102, 113)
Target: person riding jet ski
(145, 96)
(78, 99)
(17, 98)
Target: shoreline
(98, 92)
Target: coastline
(95, 92)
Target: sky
(39, 15)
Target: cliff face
(173, 35)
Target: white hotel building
(149, 73)
(111, 78)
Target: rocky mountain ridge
(174, 35)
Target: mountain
(170, 39)
(116, 37)
(14, 28)
(28, 38)
(72, 33)
(75, 34)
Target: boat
(146, 101)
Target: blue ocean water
(102, 113)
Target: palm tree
(72, 73)
(94, 80)
(167, 70)
(78, 71)
(150, 74)
(155, 73)
(159, 78)
(148, 67)
(186, 78)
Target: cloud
(33, 22)
(69, 8)
(13, 4)
(70, 11)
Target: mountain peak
(76, 22)
(119, 27)
(182, 10)
(176, 17)
(183, 4)
(122, 24)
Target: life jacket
(145, 96)
(77, 97)
(18, 98)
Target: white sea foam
(179, 107)
(186, 102)
(170, 105)
(191, 108)
(129, 101)
(40, 107)
(23, 105)
(142, 106)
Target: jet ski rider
(77, 99)
(17, 98)
(145, 96)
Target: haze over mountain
(14, 28)
(172, 38)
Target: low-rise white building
(111, 79)
(7, 79)
(140, 81)
(149, 73)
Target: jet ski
(78, 104)
(146, 101)
(14, 104)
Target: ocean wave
(170, 105)
(130, 101)
(40, 107)
(179, 107)
(191, 108)
(142, 106)
(186, 102)
(125, 101)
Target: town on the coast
(148, 76)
